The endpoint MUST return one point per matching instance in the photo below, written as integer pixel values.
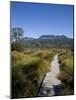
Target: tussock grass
(27, 72)
(66, 74)
(28, 69)
(45, 54)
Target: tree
(17, 33)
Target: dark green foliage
(17, 46)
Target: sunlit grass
(30, 66)
(27, 73)
(66, 73)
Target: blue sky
(40, 19)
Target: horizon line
(47, 35)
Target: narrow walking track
(51, 84)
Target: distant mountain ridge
(47, 37)
(46, 41)
(53, 36)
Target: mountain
(48, 41)
(52, 36)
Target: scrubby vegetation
(67, 73)
(30, 66)
(27, 72)
(30, 62)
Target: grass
(66, 74)
(30, 66)
(45, 54)
(28, 71)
